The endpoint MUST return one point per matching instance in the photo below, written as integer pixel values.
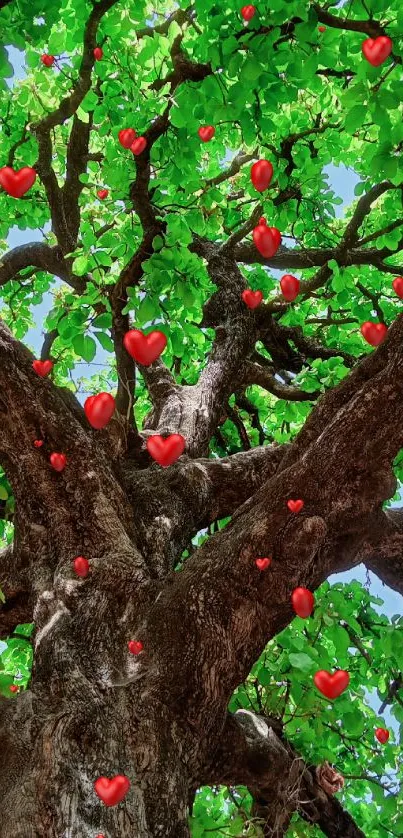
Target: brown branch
(350, 236)
(255, 374)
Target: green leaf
(105, 341)
(85, 347)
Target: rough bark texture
(161, 717)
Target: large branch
(246, 608)
(38, 255)
(252, 752)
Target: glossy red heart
(145, 349)
(261, 174)
(374, 333)
(262, 564)
(42, 368)
(267, 240)
(376, 50)
(382, 735)
(248, 12)
(13, 688)
(397, 286)
(166, 451)
(81, 566)
(322, 28)
(289, 285)
(112, 791)
(103, 193)
(331, 685)
(295, 505)
(252, 298)
(58, 461)
(15, 183)
(127, 137)
(48, 60)
(139, 145)
(98, 53)
(302, 602)
(206, 133)
(135, 647)
(99, 409)
(38, 443)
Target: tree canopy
(162, 236)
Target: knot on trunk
(300, 539)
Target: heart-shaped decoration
(112, 791)
(17, 184)
(262, 564)
(295, 505)
(382, 735)
(99, 409)
(252, 298)
(145, 349)
(322, 28)
(48, 60)
(248, 12)
(139, 145)
(127, 137)
(135, 647)
(289, 285)
(58, 461)
(397, 286)
(331, 685)
(38, 443)
(98, 53)
(102, 194)
(81, 566)
(302, 602)
(13, 688)
(166, 451)
(206, 133)
(267, 239)
(42, 368)
(261, 174)
(374, 333)
(376, 50)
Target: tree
(214, 712)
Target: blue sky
(343, 182)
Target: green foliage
(264, 89)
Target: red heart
(112, 791)
(295, 505)
(322, 28)
(99, 409)
(48, 60)
(206, 133)
(374, 333)
(331, 685)
(248, 12)
(302, 601)
(13, 688)
(17, 184)
(261, 173)
(103, 193)
(135, 646)
(81, 566)
(376, 50)
(42, 367)
(267, 239)
(381, 734)
(127, 136)
(98, 53)
(38, 443)
(262, 564)
(166, 451)
(139, 145)
(145, 349)
(289, 285)
(397, 286)
(58, 461)
(252, 298)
